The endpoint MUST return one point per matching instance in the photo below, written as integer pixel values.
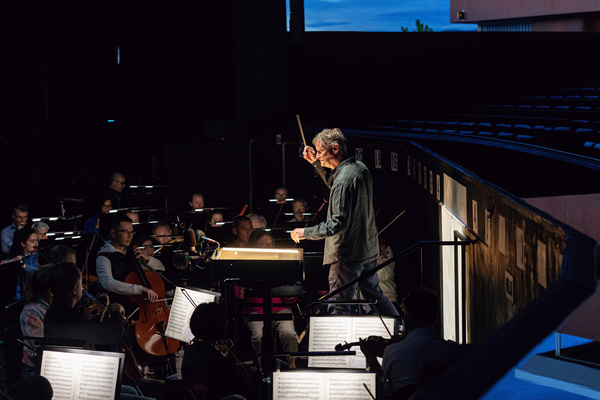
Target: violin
(223, 346)
(91, 307)
(152, 319)
(375, 344)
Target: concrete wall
(485, 10)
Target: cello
(153, 316)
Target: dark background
(203, 93)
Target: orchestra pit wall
(517, 250)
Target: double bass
(152, 318)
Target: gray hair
(329, 137)
(262, 221)
(40, 226)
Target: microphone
(189, 239)
(200, 236)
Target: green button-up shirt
(350, 232)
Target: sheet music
(327, 332)
(178, 326)
(323, 385)
(80, 376)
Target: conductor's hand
(309, 154)
(297, 235)
(150, 294)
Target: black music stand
(267, 271)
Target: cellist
(117, 265)
(114, 263)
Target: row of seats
(563, 119)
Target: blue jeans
(341, 273)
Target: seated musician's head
(66, 283)
(35, 387)
(162, 232)
(25, 242)
(299, 207)
(133, 216)
(121, 232)
(262, 239)
(117, 182)
(258, 221)
(146, 244)
(20, 213)
(41, 228)
(208, 322)
(60, 253)
(196, 201)
(242, 229)
(281, 193)
(420, 308)
(213, 219)
(38, 285)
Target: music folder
(184, 303)
(77, 374)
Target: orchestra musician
(196, 201)
(115, 189)
(203, 362)
(41, 228)
(299, 207)
(242, 229)
(258, 221)
(37, 298)
(20, 213)
(146, 245)
(113, 262)
(92, 224)
(213, 219)
(350, 220)
(403, 356)
(162, 232)
(60, 253)
(133, 216)
(25, 251)
(64, 322)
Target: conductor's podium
(261, 267)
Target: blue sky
(379, 15)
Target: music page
(80, 376)
(178, 326)
(323, 385)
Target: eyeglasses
(122, 183)
(128, 233)
(280, 195)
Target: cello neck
(140, 271)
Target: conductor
(350, 233)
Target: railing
(460, 241)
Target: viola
(152, 319)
